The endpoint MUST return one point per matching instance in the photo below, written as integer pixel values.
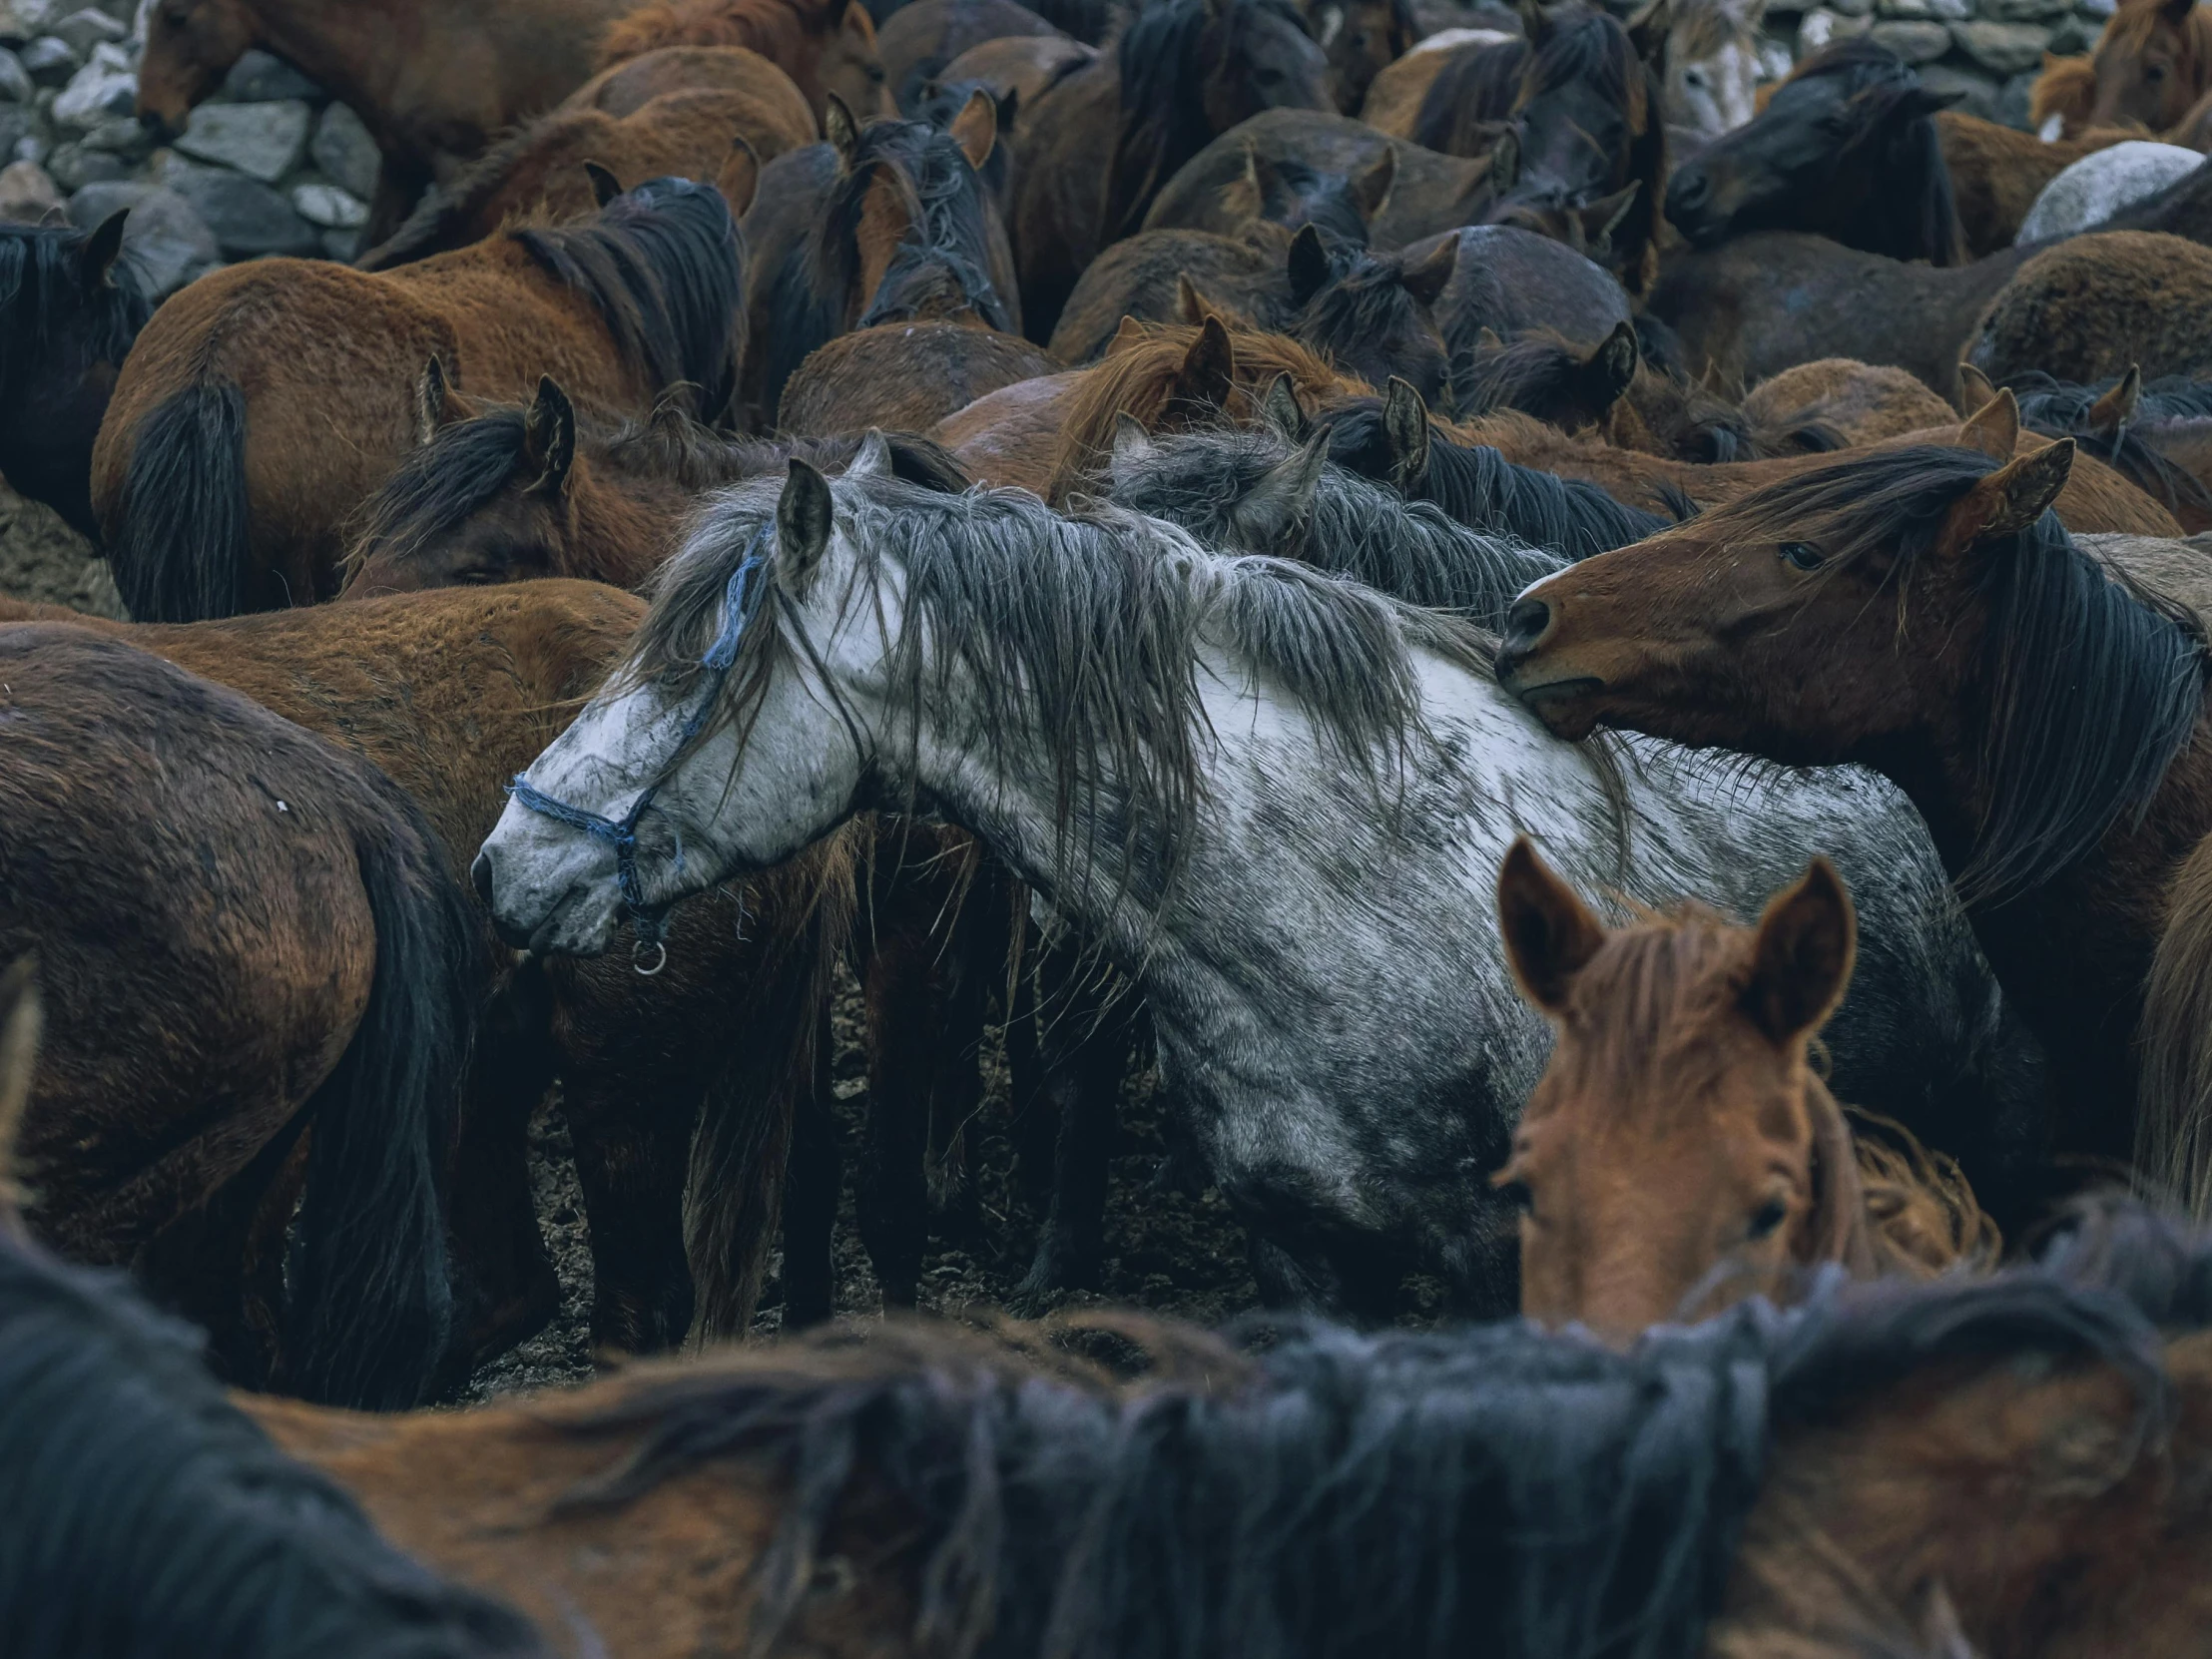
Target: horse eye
(1694, 79)
(875, 73)
(2154, 72)
(1768, 1217)
(1803, 554)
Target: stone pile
(1987, 51)
(269, 164)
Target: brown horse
(918, 40)
(904, 376)
(2044, 716)
(1099, 145)
(1680, 1153)
(827, 47)
(450, 695)
(1997, 172)
(1362, 39)
(546, 170)
(245, 935)
(435, 81)
(1610, 387)
(1839, 403)
(2094, 305)
(260, 409)
(2151, 65)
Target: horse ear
(1485, 339)
(1190, 305)
(1607, 372)
(1131, 441)
(549, 438)
(839, 127)
(1506, 163)
(1242, 197)
(803, 520)
(1535, 21)
(1129, 331)
(1801, 960)
(975, 127)
(873, 458)
(1283, 499)
(1405, 426)
(859, 24)
(21, 1016)
(1975, 388)
(1994, 428)
(1308, 264)
(435, 404)
(1428, 276)
(2009, 500)
(1209, 371)
(605, 187)
(1371, 188)
(1603, 216)
(96, 258)
(740, 179)
(1281, 407)
(1647, 32)
(1550, 932)
(2116, 407)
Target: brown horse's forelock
(2093, 683)
(1659, 991)
(664, 265)
(1075, 635)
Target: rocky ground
(44, 559)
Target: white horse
(2093, 190)
(1277, 800)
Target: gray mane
(1218, 485)
(1076, 639)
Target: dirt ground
(42, 559)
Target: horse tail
(2173, 1107)
(179, 547)
(370, 1307)
(742, 1150)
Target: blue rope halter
(739, 600)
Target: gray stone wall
(1989, 51)
(271, 164)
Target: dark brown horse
(1680, 1153)
(1099, 145)
(2043, 714)
(450, 695)
(918, 40)
(827, 47)
(266, 403)
(245, 935)
(1610, 387)
(884, 222)
(68, 312)
(2093, 305)
(434, 80)
(1361, 38)
(565, 165)
(1847, 149)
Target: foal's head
(1679, 1153)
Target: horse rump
(178, 545)
(370, 1307)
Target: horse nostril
(1527, 623)
(479, 873)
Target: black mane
(1483, 490)
(42, 292)
(665, 265)
(148, 1516)
(2093, 686)
(2059, 409)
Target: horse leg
(633, 1152)
(811, 1197)
(505, 1289)
(905, 1022)
(973, 959)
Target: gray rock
(1913, 42)
(2070, 36)
(1941, 11)
(2097, 9)
(1818, 27)
(96, 93)
(1977, 93)
(2023, 11)
(2002, 48)
(261, 140)
(14, 80)
(73, 167)
(263, 78)
(89, 28)
(344, 150)
(125, 12)
(122, 136)
(169, 242)
(22, 20)
(17, 122)
(342, 246)
(247, 217)
(50, 60)
(329, 207)
(2013, 103)
(32, 147)
(27, 193)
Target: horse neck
(628, 525)
(349, 49)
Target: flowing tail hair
(177, 541)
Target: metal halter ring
(637, 957)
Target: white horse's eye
(1696, 78)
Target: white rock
(329, 207)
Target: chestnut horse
(2044, 714)
(2151, 65)
(264, 403)
(827, 47)
(1680, 1153)
(435, 81)
(245, 933)
(70, 310)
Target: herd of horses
(1603, 663)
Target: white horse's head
(741, 754)
(1711, 62)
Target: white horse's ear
(1131, 441)
(1284, 497)
(803, 521)
(873, 458)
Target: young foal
(1680, 1153)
